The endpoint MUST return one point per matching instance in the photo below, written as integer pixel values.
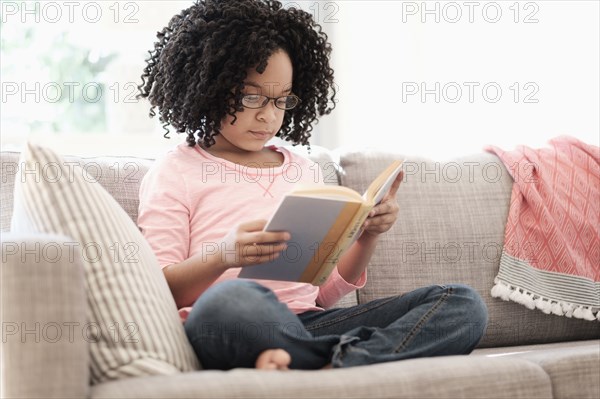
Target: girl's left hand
(383, 216)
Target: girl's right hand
(247, 244)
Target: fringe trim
(532, 301)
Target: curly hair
(196, 72)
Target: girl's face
(254, 127)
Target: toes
(263, 360)
(273, 359)
(281, 358)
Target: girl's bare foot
(273, 359)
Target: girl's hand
(383, 216)
(247, 244)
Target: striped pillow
(133, 325)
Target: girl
(232, 74)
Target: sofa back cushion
(9, 168)
(450, 229)
(121, 178)
(134, 328)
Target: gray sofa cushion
(122, 176)
(440, 377)
(451, 229)
(573, 367)
(9, 162)
(44, 322)
(435, 222)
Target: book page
(382, 183)
(321, 191)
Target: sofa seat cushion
(441, 377)
(573, 367)
(134, 328)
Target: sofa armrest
(43, 307)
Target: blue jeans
(232, 322)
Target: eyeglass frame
(269, 99)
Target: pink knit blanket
(551, 254)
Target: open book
(323, 221)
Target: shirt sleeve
(164, 214)
(336, 287)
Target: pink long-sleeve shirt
(190, 199)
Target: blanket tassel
(507, 292)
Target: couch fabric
(47, 300)
(450, 228)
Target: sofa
(450, 229)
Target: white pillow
(129, 301)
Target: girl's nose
(268, 113)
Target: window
(70, 72)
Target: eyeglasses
(258, 101)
